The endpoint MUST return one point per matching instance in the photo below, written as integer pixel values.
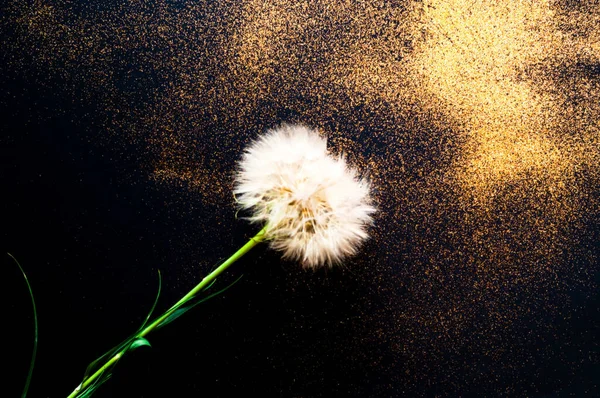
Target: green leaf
(155, 302)
(185, 308)
(139, 342)
(94, 386)
(130, 343)
(35, 329)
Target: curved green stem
(259, 237)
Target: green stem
(259, 237)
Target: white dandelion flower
(315, 208)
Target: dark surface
(413, 315)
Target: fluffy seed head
(315, 207)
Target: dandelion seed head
(315, 208)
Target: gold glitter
(470, 60)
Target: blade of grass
(35, 330)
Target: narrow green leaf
(185, 308)
(94, 386)
(35, 330)
(155, 302)
(139, 342)
(209, 285)
(92, 367)
(124, 346)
